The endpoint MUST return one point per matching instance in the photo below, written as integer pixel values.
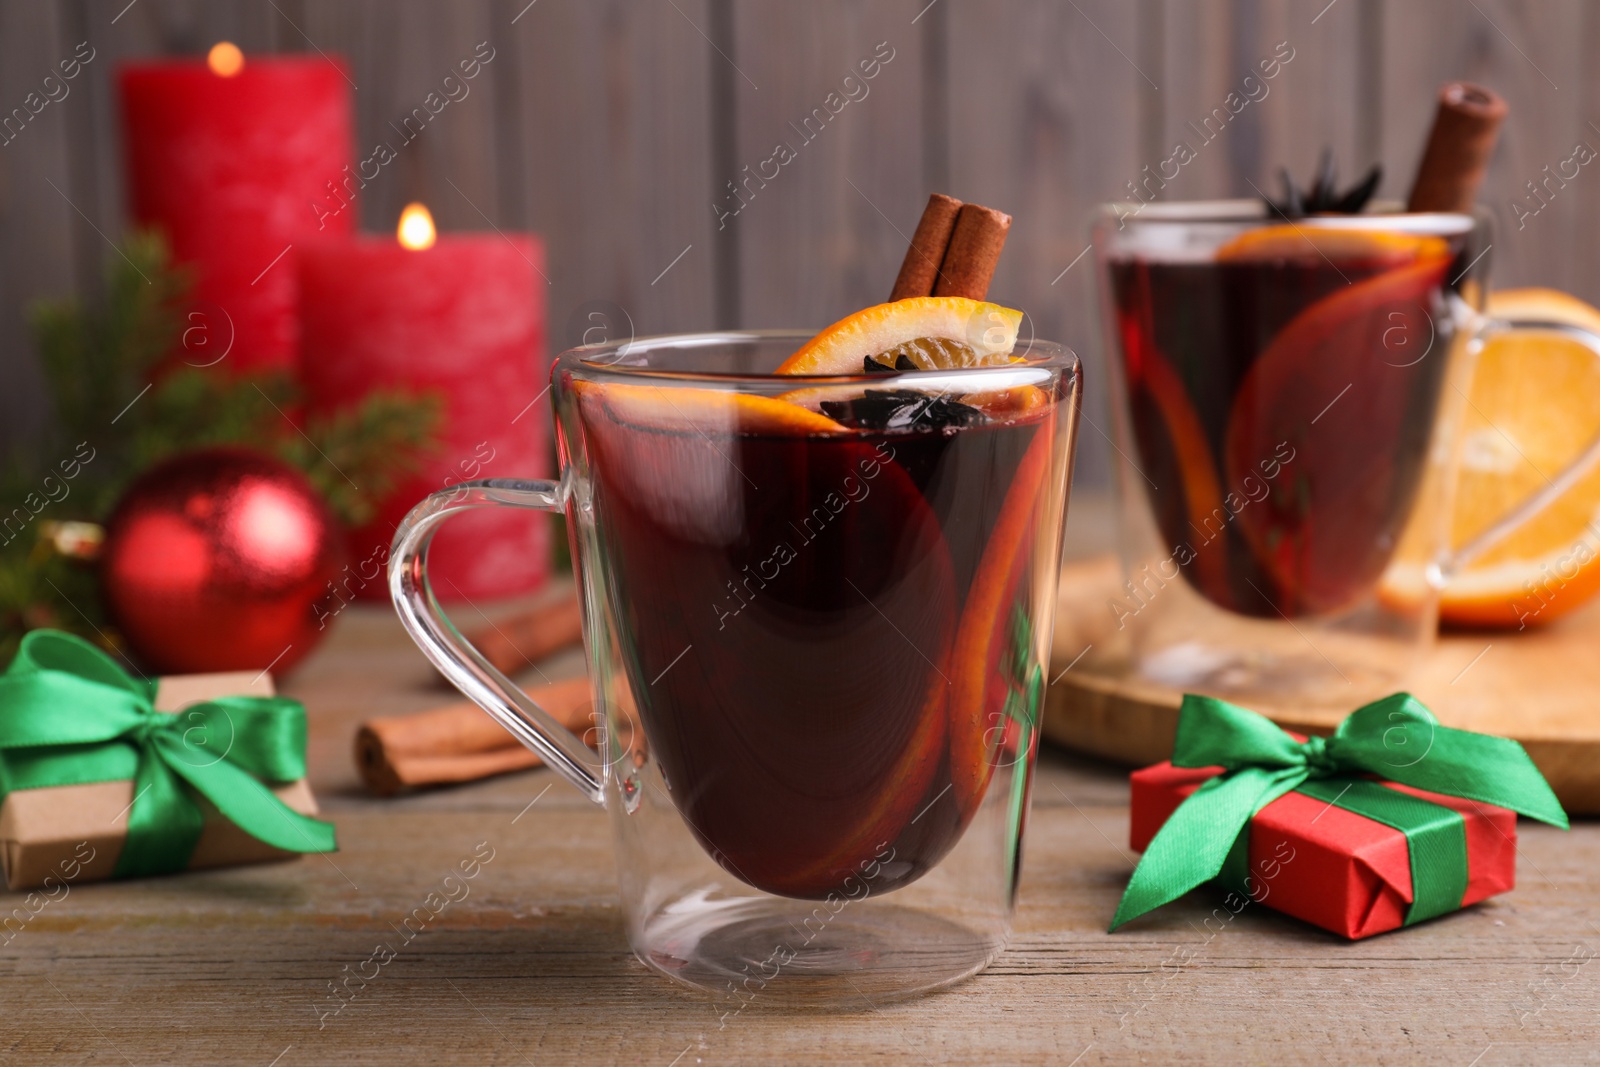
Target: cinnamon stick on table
(512, 643)
(459, 742)
(1464, 132)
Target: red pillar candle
(230, 156)
(463, 318)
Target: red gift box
(1328, 866)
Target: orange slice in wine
(676, 450)
(1197, 469)
(978, 684)
(1307, 240)
(690, 410)
(1346, 412)
(1004, 405)
(887, 810)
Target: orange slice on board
(932, 332)
(1543, 305)
(1336, 243)
(1534, 405)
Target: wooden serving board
(1541, 687)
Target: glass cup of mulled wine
(1288, 398)
(817, 618)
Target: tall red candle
(463, 319)
(230, 159)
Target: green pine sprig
(121, 393)
(97, 359)
(357, 456)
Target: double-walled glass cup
(1288, 397)
(817, 613)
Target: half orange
(1533, 407)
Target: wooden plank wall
(614, 127)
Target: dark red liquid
(1283, 412)
(803, 627)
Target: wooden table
(532, 967)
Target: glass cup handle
(443, 644)
(1556, 486)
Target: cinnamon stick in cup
(973, 253)
(459, 742)
(954, 251)
(920, 268)
(512, 643)
(1463, 137)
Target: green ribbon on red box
(70, 716)
(1396, 738)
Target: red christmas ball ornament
(221, 560)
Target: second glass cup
(1288, 404)
(818, 651)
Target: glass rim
(1387, 214)
(589, 361)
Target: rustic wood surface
(1538, 687)
(234, 966)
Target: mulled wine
(1282, 392)
(817, 612)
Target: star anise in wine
(1323, 197)
(901, 409)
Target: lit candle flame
(416, 227)
(225, 59)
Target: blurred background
(614, 129)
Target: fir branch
(97, 361)
(357, 456)
(197, 408)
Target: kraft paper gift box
(75, 833)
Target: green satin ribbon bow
(1394, 738)
(70, 716)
